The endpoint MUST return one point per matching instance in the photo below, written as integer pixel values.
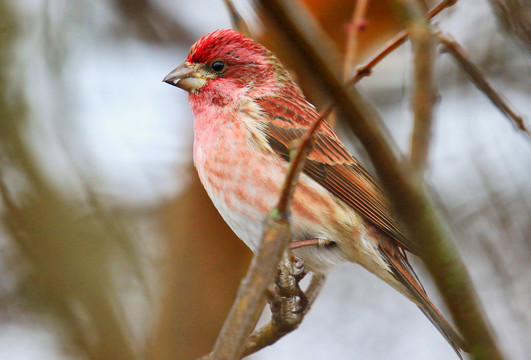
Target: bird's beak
(185, 76)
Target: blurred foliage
(114, 290)
(515, 17)
(75, 263)
(147, 21)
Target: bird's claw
(298, 270)
(286, 296)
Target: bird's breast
(244, 182)
(239, 178)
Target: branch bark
(394, 43)
(237, 21)
(357, 24)
(424, 94)
(251, 297)
(475, 75)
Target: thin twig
(237, 21)
(297, 163)
(400, 38)
(313, 290)
(403, 187)
(424, 93)
(462, 58)
(357, 24)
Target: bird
(247, 112)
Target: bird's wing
(330, 164)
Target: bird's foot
(286, 296)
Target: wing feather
(331, 165)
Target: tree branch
(357, 24)
(303, 146)
(400, 38)
(251, 297)
(404, 188)
(475, 75)
(237, 21)
(424, 93)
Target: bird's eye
(218, 66)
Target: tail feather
(455, 341)
(403, 272)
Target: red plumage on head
(234, 47)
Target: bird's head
(226, 60)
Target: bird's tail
(403, 272)
(436, 318)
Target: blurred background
(110, 249)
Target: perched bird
(247, 111)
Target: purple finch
(247, 111)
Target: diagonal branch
(400, 38)
(237, 21)
(404, 188)
(459, 54)
(251, 297)
(297, 163)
